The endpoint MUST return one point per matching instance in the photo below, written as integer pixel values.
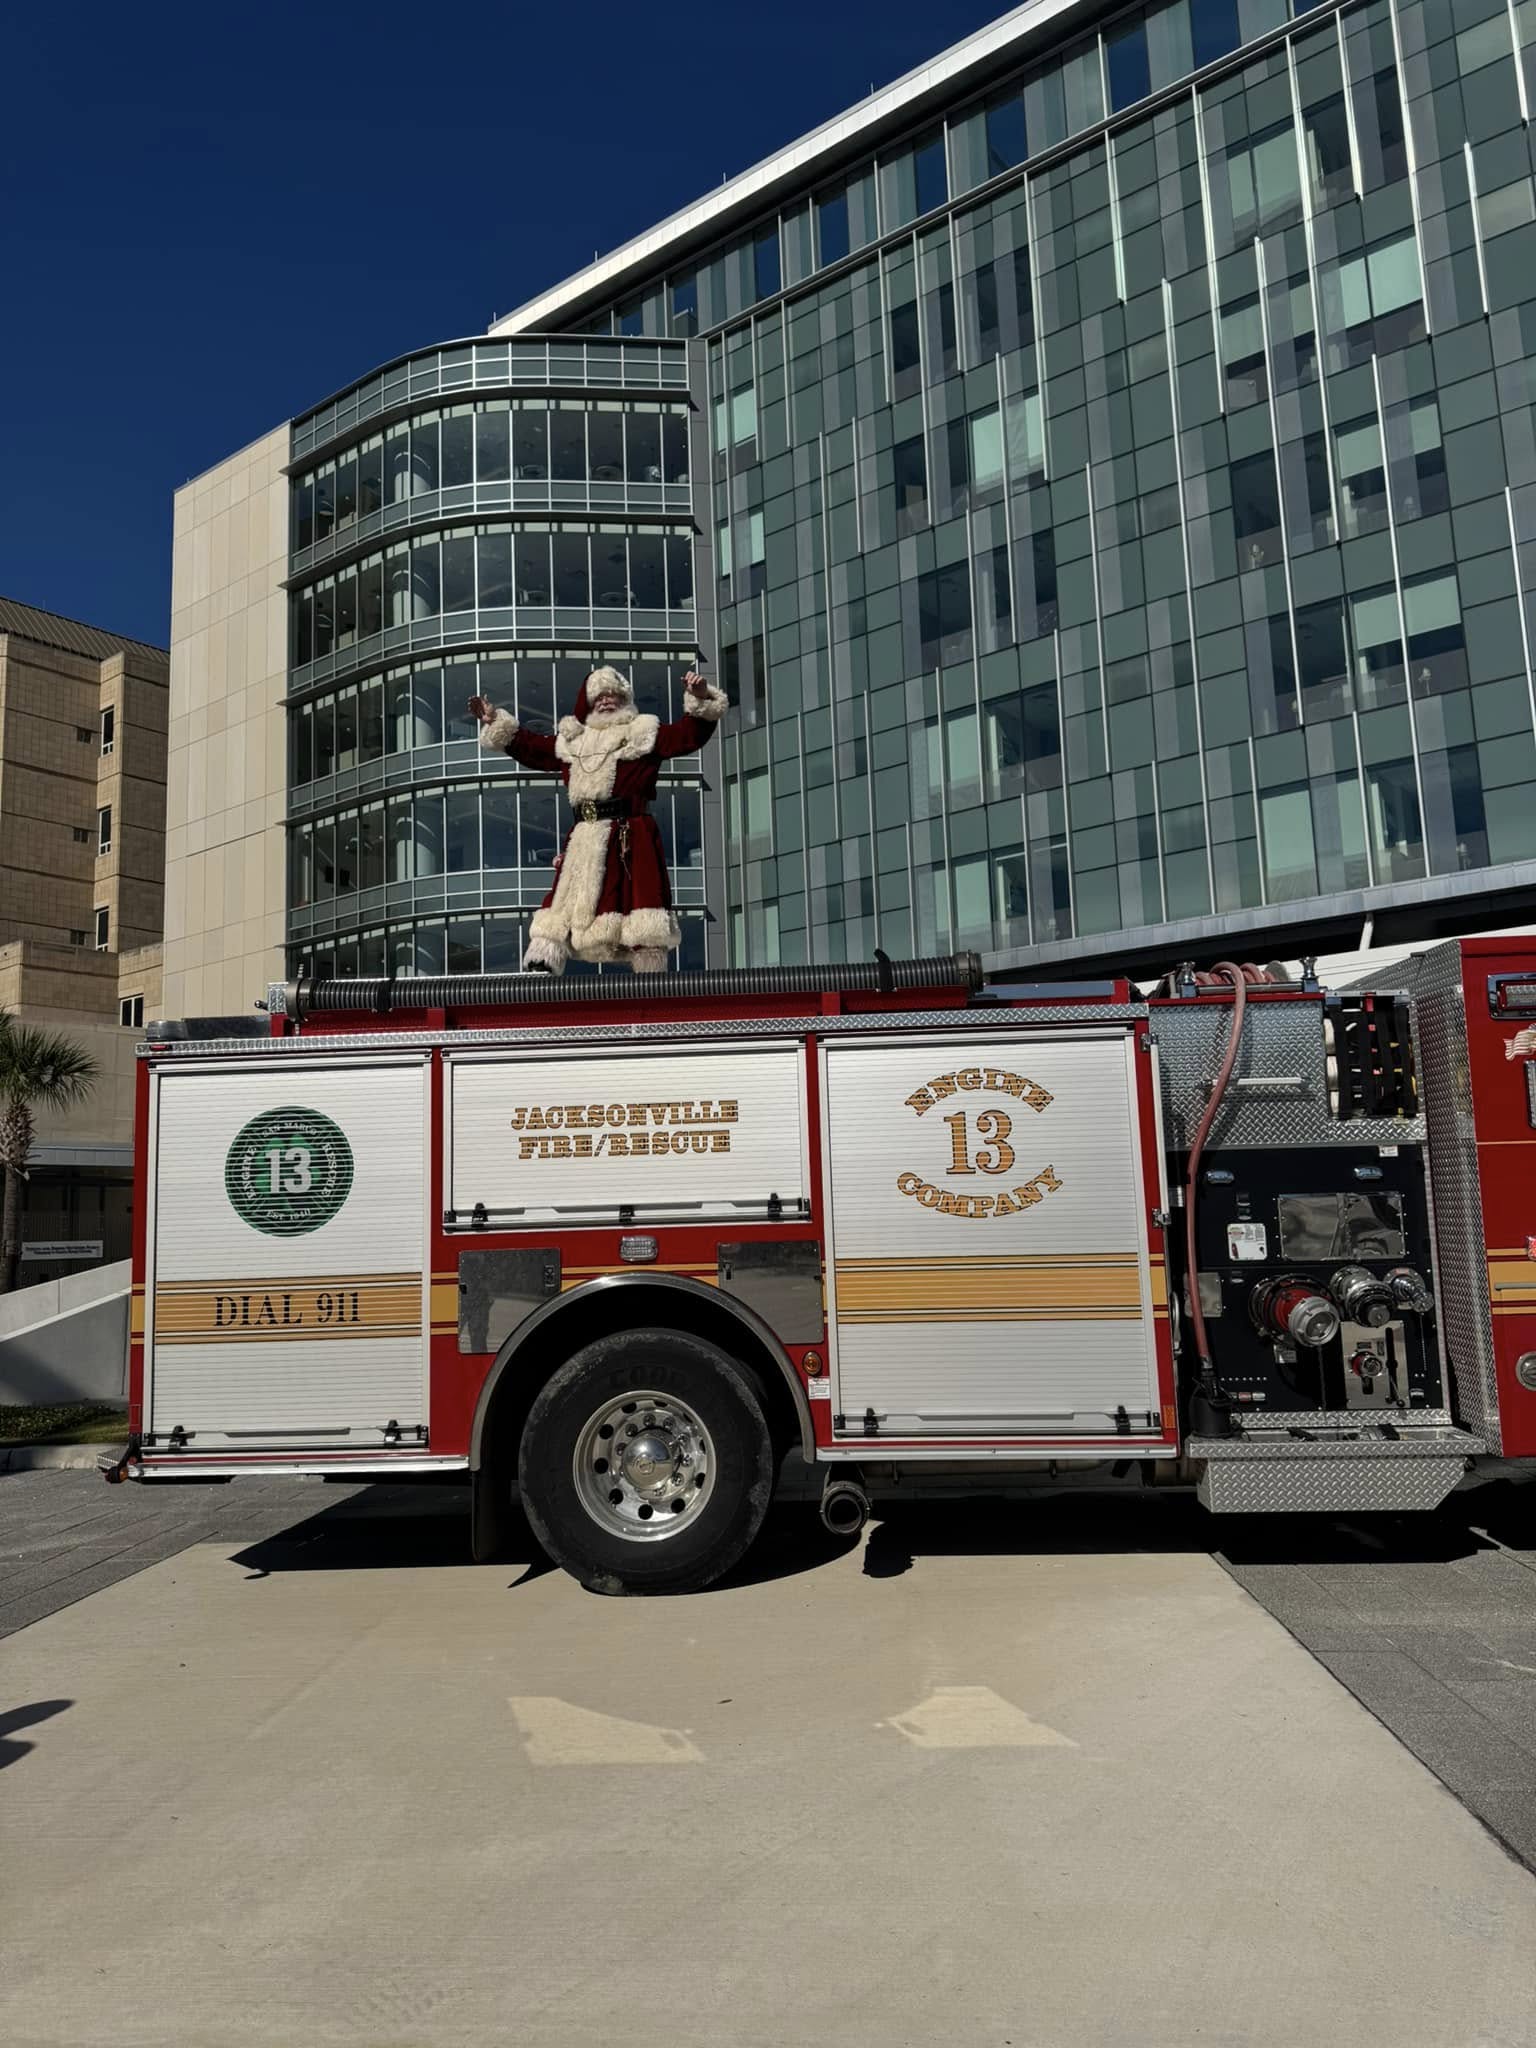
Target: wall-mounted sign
(60, 1248)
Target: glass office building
(1101, 468)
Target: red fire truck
(616, 1247)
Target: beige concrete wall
(227, 778)
(60, 988)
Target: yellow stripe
(979, 1262)
(939, 1288)
(288, 1310)
(443, 1302)
(1007, 1315)
(136, 1314)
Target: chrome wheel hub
(644, 1466)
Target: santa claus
(611, 899)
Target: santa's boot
(544, 956)
(648, 959)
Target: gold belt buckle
(587, 812)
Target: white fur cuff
(711, 707)
(497, 736)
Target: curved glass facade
(502, 544)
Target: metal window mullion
(805, 822)
(1402, 621)
(1098, 607)
(1189, 588)
(1477, 233)
(1209, 223)
(1525, 640)
(1514, 40)
(1066, 809)
(1309, 233)
(1274, 435)
(1411, 154)
(1117, 239)
(1031, 251)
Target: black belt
(590, 809)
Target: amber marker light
(815, 1365)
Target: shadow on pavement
(418, 1527)
(25, 1717)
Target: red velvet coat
(611, 892)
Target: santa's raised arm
(612, 899)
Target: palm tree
(38, 1070)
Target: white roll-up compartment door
(679, 1132)
(287, 1286)
(988, 1272)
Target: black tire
(741, 1468)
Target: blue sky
(211, 217)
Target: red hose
(1239, 982)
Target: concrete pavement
(334, 1786)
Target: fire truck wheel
(645, 1464)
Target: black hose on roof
(490, 991)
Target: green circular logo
(288, 1171)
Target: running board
(1356, 1469)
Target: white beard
(593, 751)
(622, 716)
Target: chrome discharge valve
(1296, 1311)
(1362, 1297)
(1410, 1291)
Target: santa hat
(602, 682)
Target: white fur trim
(600, 939)
(648, 960)
(646, 928)
(711, 707)
(498, 735)
(604, 680)
(578, 885)
(593, 753)
(546, 952)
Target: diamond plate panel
(1461, 1248)
(1282, 1059)
(1330, 1478)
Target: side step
(1333, 1467)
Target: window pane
(647, 571)
(674, 448)
(499, 800)
(463, 831)
(493, 447)
(457, 450)
(567, 445)
(531, 556)
(530, 445)
(610, 572)
(494, 555)
(986, 449)
(911, 481)
(1213, 29)
(570, 569)
(1394, 275)
(459, 574)
(765, 263)
(605, 446)
(679, 572)
(464, 948)
(642, 447)
(1130, 72)
(832, 226)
